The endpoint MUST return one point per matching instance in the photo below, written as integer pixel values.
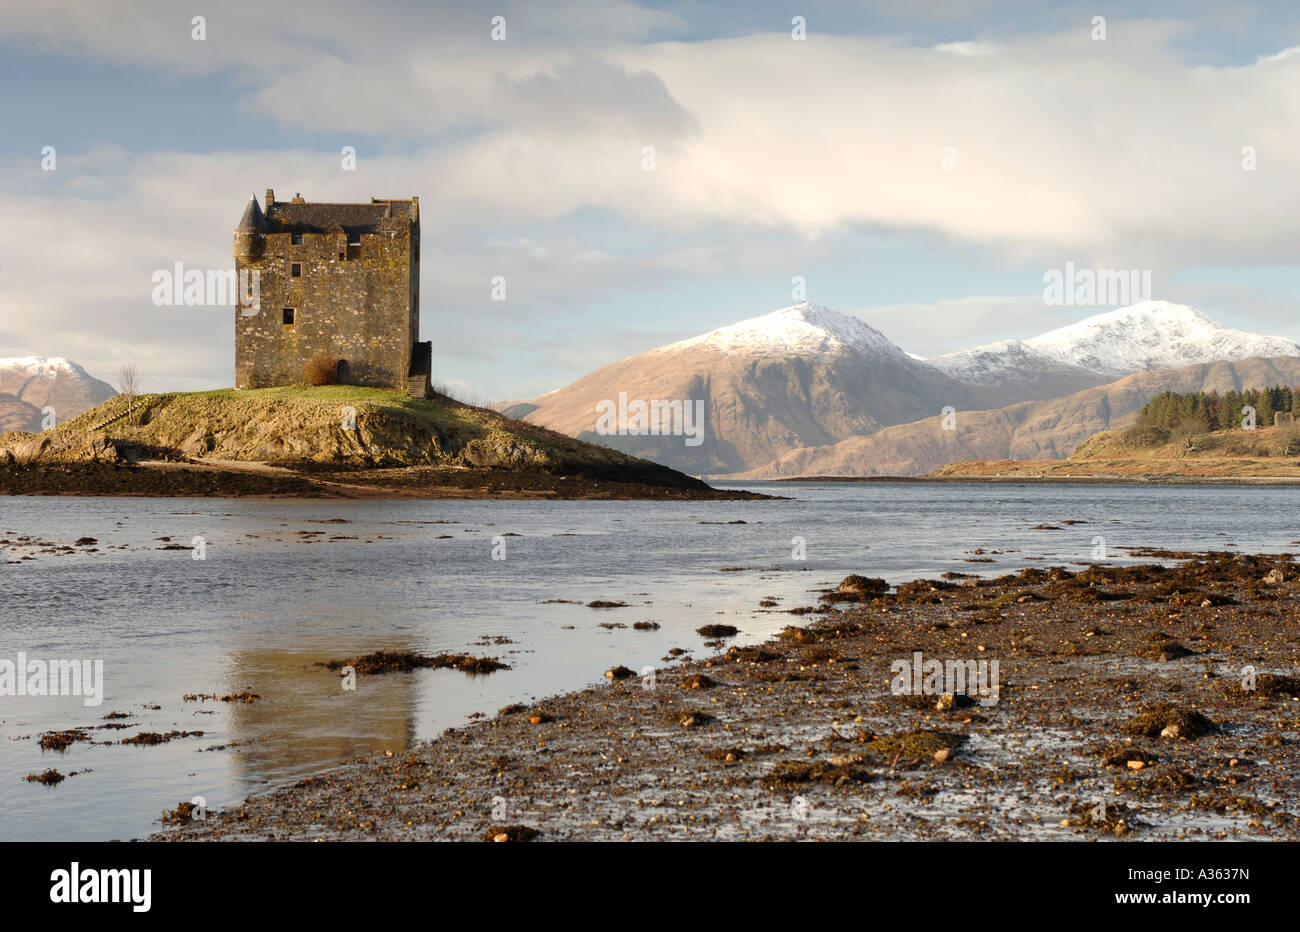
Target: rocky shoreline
(1131, 702)
(179, 477)
(1082, 478)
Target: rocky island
(333, 440)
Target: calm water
(286, 584)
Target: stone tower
(336, 284)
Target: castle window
(295, 270)
(295, 238)
(288, 316)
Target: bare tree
(128, 383)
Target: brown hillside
(1035, 430)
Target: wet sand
(1107, 678)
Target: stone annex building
(339, 292)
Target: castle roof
(252, 221)
(303, 217)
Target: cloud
(934, 328)
(1115, 153)
(768, 153)
(1062, 146)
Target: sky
(642, 173)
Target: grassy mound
(329, 426)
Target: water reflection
(305, 721)
(275, 596)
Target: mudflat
(1156, 701)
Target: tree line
(1203, 412)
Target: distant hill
(16, 414)
(515, 409)
(39, 382)
(1151, 454)
(1033, 430)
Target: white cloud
(934, 328)
(1114, 154)
(968, 49)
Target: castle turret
(250, 233)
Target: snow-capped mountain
(798, 376)
(1047, 429)
(39, 382)
(1143, 337)
(806, 377)
(1153, 335)
(803, 329)
(1017, 367)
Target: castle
(338, 295)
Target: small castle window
(295, 270)
(295, 238)
(343, 256)
(354, 239)
(288, 316)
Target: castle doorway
(341, 372)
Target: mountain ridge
(1030, 430)
(808, 377)
(29, 384)
(799, 376)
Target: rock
(619, 673)
(1166, 720)
(862, 586)
(695, 719)
(1275, 578)
(942, 754)
(1168, 650)
(953, 701)
(699, 681)
(502, 837)
(1136, 764)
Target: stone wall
(353, 303)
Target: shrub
(1146, 436)
(1187, 432)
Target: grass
(1261, 453)
(300, 424)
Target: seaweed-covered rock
(1166, 720)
